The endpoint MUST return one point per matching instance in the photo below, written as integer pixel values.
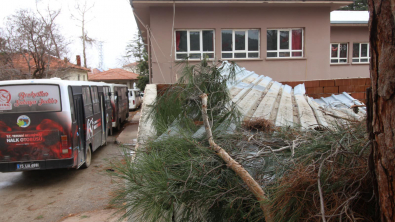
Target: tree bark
(254, 187)
(83, 39)
(381, 115)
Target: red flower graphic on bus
(5, 96)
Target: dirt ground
(61, 195)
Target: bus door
(80, 132)
(103, 119)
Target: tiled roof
(20, 62)
(113, 74)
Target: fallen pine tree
(179, 176)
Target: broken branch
(255, 188)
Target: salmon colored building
(286, 40)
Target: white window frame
(246, 51)
(360, 51)
(189, 44)
(338, 53)
(290, 50)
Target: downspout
(149, 54)
(148, 43)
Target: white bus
(52, 123)
(119, 101)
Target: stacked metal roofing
(260, 97)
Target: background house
(22, 66)
(288, 41)
(119, 76)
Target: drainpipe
(149, 54)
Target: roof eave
(350, 23)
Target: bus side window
(105, 91)
(86, 96)
(71, 105)
(95, 98)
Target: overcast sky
(112, 22)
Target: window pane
(272, 40)
(271, 54)
(284, 40)
(364, 50)
(226, 55)
(226, 40)
(240, 55)
(209, 55)
(181, 41)
(343, 60)
(240, 40)
(194, 38)
(284, 54)
(334, 60)
(253, 40)
(194, 56)
(355, 60)
(208, 41)
(253, 55)
(297, 54)
(87, 96)
(355, 50)
(182, 56)
(297, 39)
(334, 50)
(343, 50)
(364, 60)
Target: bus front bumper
(38, 165)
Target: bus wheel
(88, 158)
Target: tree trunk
(381, 114)
(83, 40)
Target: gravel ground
(54, 194)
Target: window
(194, 44)
(95, 100)
(28, 98)
(285, 43)
(360, 53)
(339, 53)
(106, 90)
(240, 44)
(71, 100)
(86, 97)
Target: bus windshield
(29, 98)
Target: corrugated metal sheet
(259, 96)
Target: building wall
(350, 35)
(128, 83)
(356, 87)
(314, 20)
(73, 75)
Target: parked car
(134, 98)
